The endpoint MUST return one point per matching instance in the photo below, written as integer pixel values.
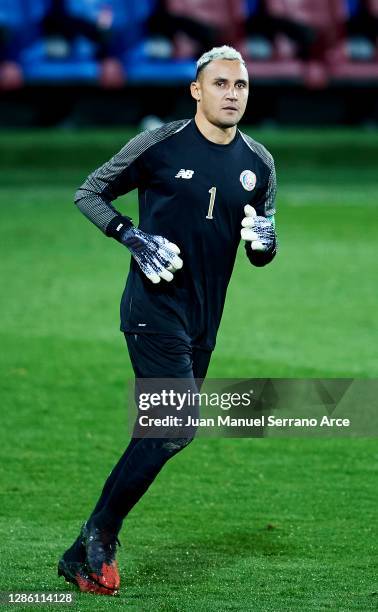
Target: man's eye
(220, 83)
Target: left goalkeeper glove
(259, 231)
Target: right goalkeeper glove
(258, 231)
(155, 255)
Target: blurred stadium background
(83, 62)
(230, 524)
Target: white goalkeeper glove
(259, 231)
(156, 256)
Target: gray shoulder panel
(268, 160)
(259, 149)
(143, 141)
(103, 186)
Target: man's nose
(232, 93)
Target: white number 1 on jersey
(212, 192)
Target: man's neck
(214, 133)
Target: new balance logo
(185, 174)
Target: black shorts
(166, 356)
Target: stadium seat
(78, 68)
(160, 72)
(224, 15)
(329, 60)
(343, 69)
(72, 72)
(21, 19)
(373, 7)
(125, 17)
(19, 14)
(281, 65)
(319, 15)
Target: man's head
(221, 86)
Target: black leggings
(152, 356)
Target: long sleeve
(116, 177)
(121, 174)
(267, 204)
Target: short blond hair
(224, 52)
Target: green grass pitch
(260, 524)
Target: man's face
(222, 91)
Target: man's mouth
(230, 108)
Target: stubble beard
(225, 124)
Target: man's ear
(195, 90)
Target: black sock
(106, 521)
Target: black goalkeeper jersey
(192, 192)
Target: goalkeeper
(202, 184)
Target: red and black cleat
(109, 576)
(73, 568)
(77, 574)
(100, 547)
